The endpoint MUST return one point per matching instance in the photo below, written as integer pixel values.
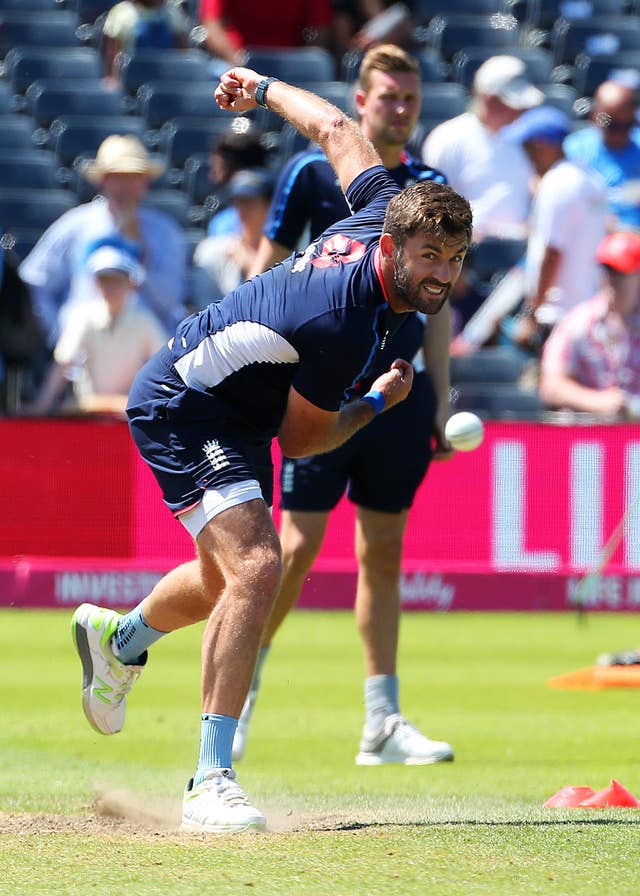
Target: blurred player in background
(309, 199)
(294, 354)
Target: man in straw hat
(55, 269)
(294, 353)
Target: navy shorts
(188, 439)
(380, 467)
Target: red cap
(620, 251)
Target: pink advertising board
(510, 526)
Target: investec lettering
(586, 479)
(106, 588)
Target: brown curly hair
(430, 207)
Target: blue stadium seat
(562, 96)
(16, 132)
(442, 101)
(72, 136)
(37, 29)
(595, 36)
(497, 364)
(450, 33)
(28, 168)
(186, 66)
(538, 62)
(337, 92)
(48, 100)
(160, 101)
(197, 184)
(20, 241)
(87, 11)
(297, 65)
(588, 72)
(7, 101)
(24, 5)
(425, 10)
(181, 138)
(543, 13)
(24, 65)
(173, 202)
(31, 209)
(494, 256)
(500, 401)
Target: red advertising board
(513, 525)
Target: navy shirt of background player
(292, 218)
(316, 322)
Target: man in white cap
(105, 342)
(55, 269)
(494, 176)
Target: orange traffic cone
(613, 795)
(568, 797)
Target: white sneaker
(105, 680)
(218, 805)
(400, 742)
(242, 731)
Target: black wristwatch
(261, 91)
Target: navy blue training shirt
(317, 322)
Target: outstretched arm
(340, 138)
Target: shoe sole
(376, 759)
(194, 827)
(81, 642)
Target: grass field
(85, 814)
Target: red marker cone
(568, 797)
(613, 795)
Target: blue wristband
(375, 399)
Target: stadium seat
(48, 100)
(24, 5)
(491, 258)
(538, 62)
(16, 132)
(173, 202)
(588, 73)
(442, 101)
(160, 101)
(7, 100)
(487, 365)
(543, 13)
(24, 65)
(297, 65)
(37, 29)
(80, 135)
(197, 184)
(87, 11)
(32, 209)
(20, 241)
(186, 66)
(181, 138)
(28, 168)
(563, 97)
(337, 92)
(596, 36)
(425, 10)
(500, 401)
(450, 33)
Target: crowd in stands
(127, 198)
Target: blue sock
(216, 740)
(380, 699)
(133, 636)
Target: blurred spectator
(361, 24)
(22, 344)
(591, 361)
(567, 225)
(242, 146)
(495, 176)
(228, 258)
(55, 268)
(105, 343)
(611, 146)
(231, 27)
(141, 24)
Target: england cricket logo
(215, 455)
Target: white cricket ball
(464, 430)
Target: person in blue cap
(566, 226)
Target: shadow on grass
(361, 825)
